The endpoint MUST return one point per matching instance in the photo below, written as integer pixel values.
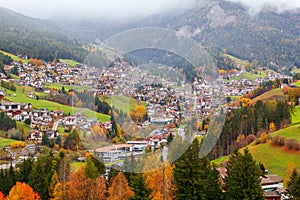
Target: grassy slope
(296, 115)
(72, 63)
(237, 60)
(251, 76)
(277, 158)
(5, 142)
(273, 94)
(14, 57)
(22, 98)
(122, 103)
(297, 83)
(67, 87)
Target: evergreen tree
(25, 169)
(195, 178)
(139, 187)
(58, 141)
(99, 165)
(45, 140)
(91, 170)
(293, 186)
(243, 177)
(41, 174)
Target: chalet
(35, 135)
(272, 195)
(271, 182)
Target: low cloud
(107, 9)
(255, 6)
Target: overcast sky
(120, 9)
(93, 8)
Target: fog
(86, 9)
(255, 6)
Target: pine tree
(186, 173)
(195, 178)
(25, 169)
(41, 174)
(58, 141)
(139, 187)
(243, 177)
(293, 186)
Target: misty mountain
(43, 39)
(220, 26)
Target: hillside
(269, 37)
(270, 95)
(36, 38)
(277, 158)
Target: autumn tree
(293, 186)
(22, 191)
(63, 170)
(54, 181)
(138, 114)
(289, 171)
(119, 188)
(80, 187)
(1, 196)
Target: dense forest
(21, 35)
(247, 123)
(6, 122)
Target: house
(114, 153)
(272, 195)
(271, 182)
(138, 146)
(31, 95)
(35, 135)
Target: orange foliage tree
(79, 187)
(137, 114)
(1, 196)
(154, 177)
(119, 189)
(22, 191)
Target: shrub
(292, 144)
(250, 138)
(278, 140)
(18, 144)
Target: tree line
(189, 177)
(250, 121)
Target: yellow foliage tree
(18, 144)
(137, 114)
(119, 189)
(272, 127)
(154, 178)
(289, 171)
